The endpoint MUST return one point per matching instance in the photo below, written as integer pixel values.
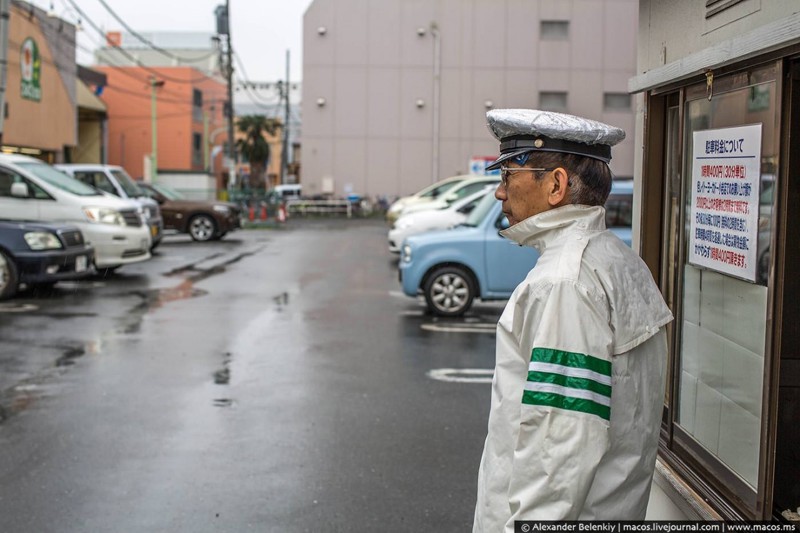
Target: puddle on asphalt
(13, 307)
(69, 356)
(224, 402)
(223, 375)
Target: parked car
(33, 190)
(456, 192)
(39, 253)
(433, 219)
(113, 179)
(202, 220)
(426, 194)
(453, 267)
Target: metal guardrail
(320, 207)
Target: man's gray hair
(589, 179)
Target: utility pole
(154, 84)
(229, 74)
(285, 148)
(4, 6)
(223, 14)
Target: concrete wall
(660, 43)
(375, 61)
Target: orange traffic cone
(263, 212)
(252, 213)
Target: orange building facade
(189, 116)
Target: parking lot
(276, 380)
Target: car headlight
(406, 253)
(104, 215)
(222, 209)
(41, 240)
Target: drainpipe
(437, 74)
(4, 6)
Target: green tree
(254, 147)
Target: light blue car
(453, 267)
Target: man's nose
(500, 192)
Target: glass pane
(723, 332)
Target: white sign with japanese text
(726, 173)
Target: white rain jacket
(578, 388)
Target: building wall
(128, 98)
(660, 44)
(90, 142)
(49, 124)
(374, 62)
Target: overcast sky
(262, 30)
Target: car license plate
(81, 263)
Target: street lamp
(154, 84)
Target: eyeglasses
(505, 173)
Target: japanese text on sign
(724, 209)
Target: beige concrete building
(395, 92)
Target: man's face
(524, 193)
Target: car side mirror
(19, 190)
(504, 223)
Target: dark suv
(202, 220)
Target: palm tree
(254, 146)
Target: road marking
(462, 375)
(461, 328)
(17, 308)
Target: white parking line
(461, 328)
(462, 375)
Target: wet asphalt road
(273, 381)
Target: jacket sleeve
(565, 411)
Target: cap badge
(538, 143)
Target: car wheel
(449, 291)
(202, 228)
(9, 277)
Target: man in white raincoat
(578, 387)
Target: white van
(289, 191)
(33, 190)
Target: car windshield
(441, 189)
(481, 210)
(58, 179)
(167, 191)
(127, 183)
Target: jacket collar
(540, 230)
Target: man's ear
(558, 187)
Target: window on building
(616, 102)
(197, 98)
(720, 340)
(197, 148)
(554, 30)
(553, 101)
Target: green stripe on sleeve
(570, 382)
(571, 359)
(549, 399)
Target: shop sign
(725, 189)
(478, 164)
(30, 64)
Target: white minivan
(33, 190)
